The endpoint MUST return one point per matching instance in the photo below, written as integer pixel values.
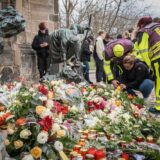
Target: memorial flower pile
(59, 120)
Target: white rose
(55, 128)
(74, 109)
(10, 131)
(49, 103)
(42, 137)
(31, 90)
(28, 157)
(45, 113)
(43, 98)
(25, 133)
(100, 90)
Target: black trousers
(42, 65)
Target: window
(6, 3)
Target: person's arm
(100, 49)
(35, 44)
(108, 71)
(140, 74)
(143, 47)
(86, 48)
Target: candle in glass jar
(89, 157)
(125, 156)
(149, 139)
(139, 139)
(85, 133)
(100, 154)
(73, 155)
(77, 148)
(83, 152)
(82, 142)
(91, 151)
(92, 134)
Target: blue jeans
(145, 88)
(100, 74)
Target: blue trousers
(100, 74)
(145, 88)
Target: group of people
(131, 61)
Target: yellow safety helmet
(118, 50)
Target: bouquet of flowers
(96, 121)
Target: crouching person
(136, 76)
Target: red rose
(43, 89)
(90, 103)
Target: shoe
(154, 110)
(41, 80)
(90, 82)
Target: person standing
(147, 37)
(98, 56)
(41, 45)
(86, 56)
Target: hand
(42, 45)
(45, 44)
(123, 86)
(115, 83)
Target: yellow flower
(50, 95)
(119, 88)
(36, 152)
(61, 133)
(18, 144)
(6, 142)
(40, 109)
(118, 103)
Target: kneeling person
(136, 76)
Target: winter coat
(134, 77)
(39, 39)
(86, 53)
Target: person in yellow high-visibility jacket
(117, 48)
(148, 44)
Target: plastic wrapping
(8, 96)
(70, 95)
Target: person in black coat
(136, 76)
(41, 45)
(86, 56)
